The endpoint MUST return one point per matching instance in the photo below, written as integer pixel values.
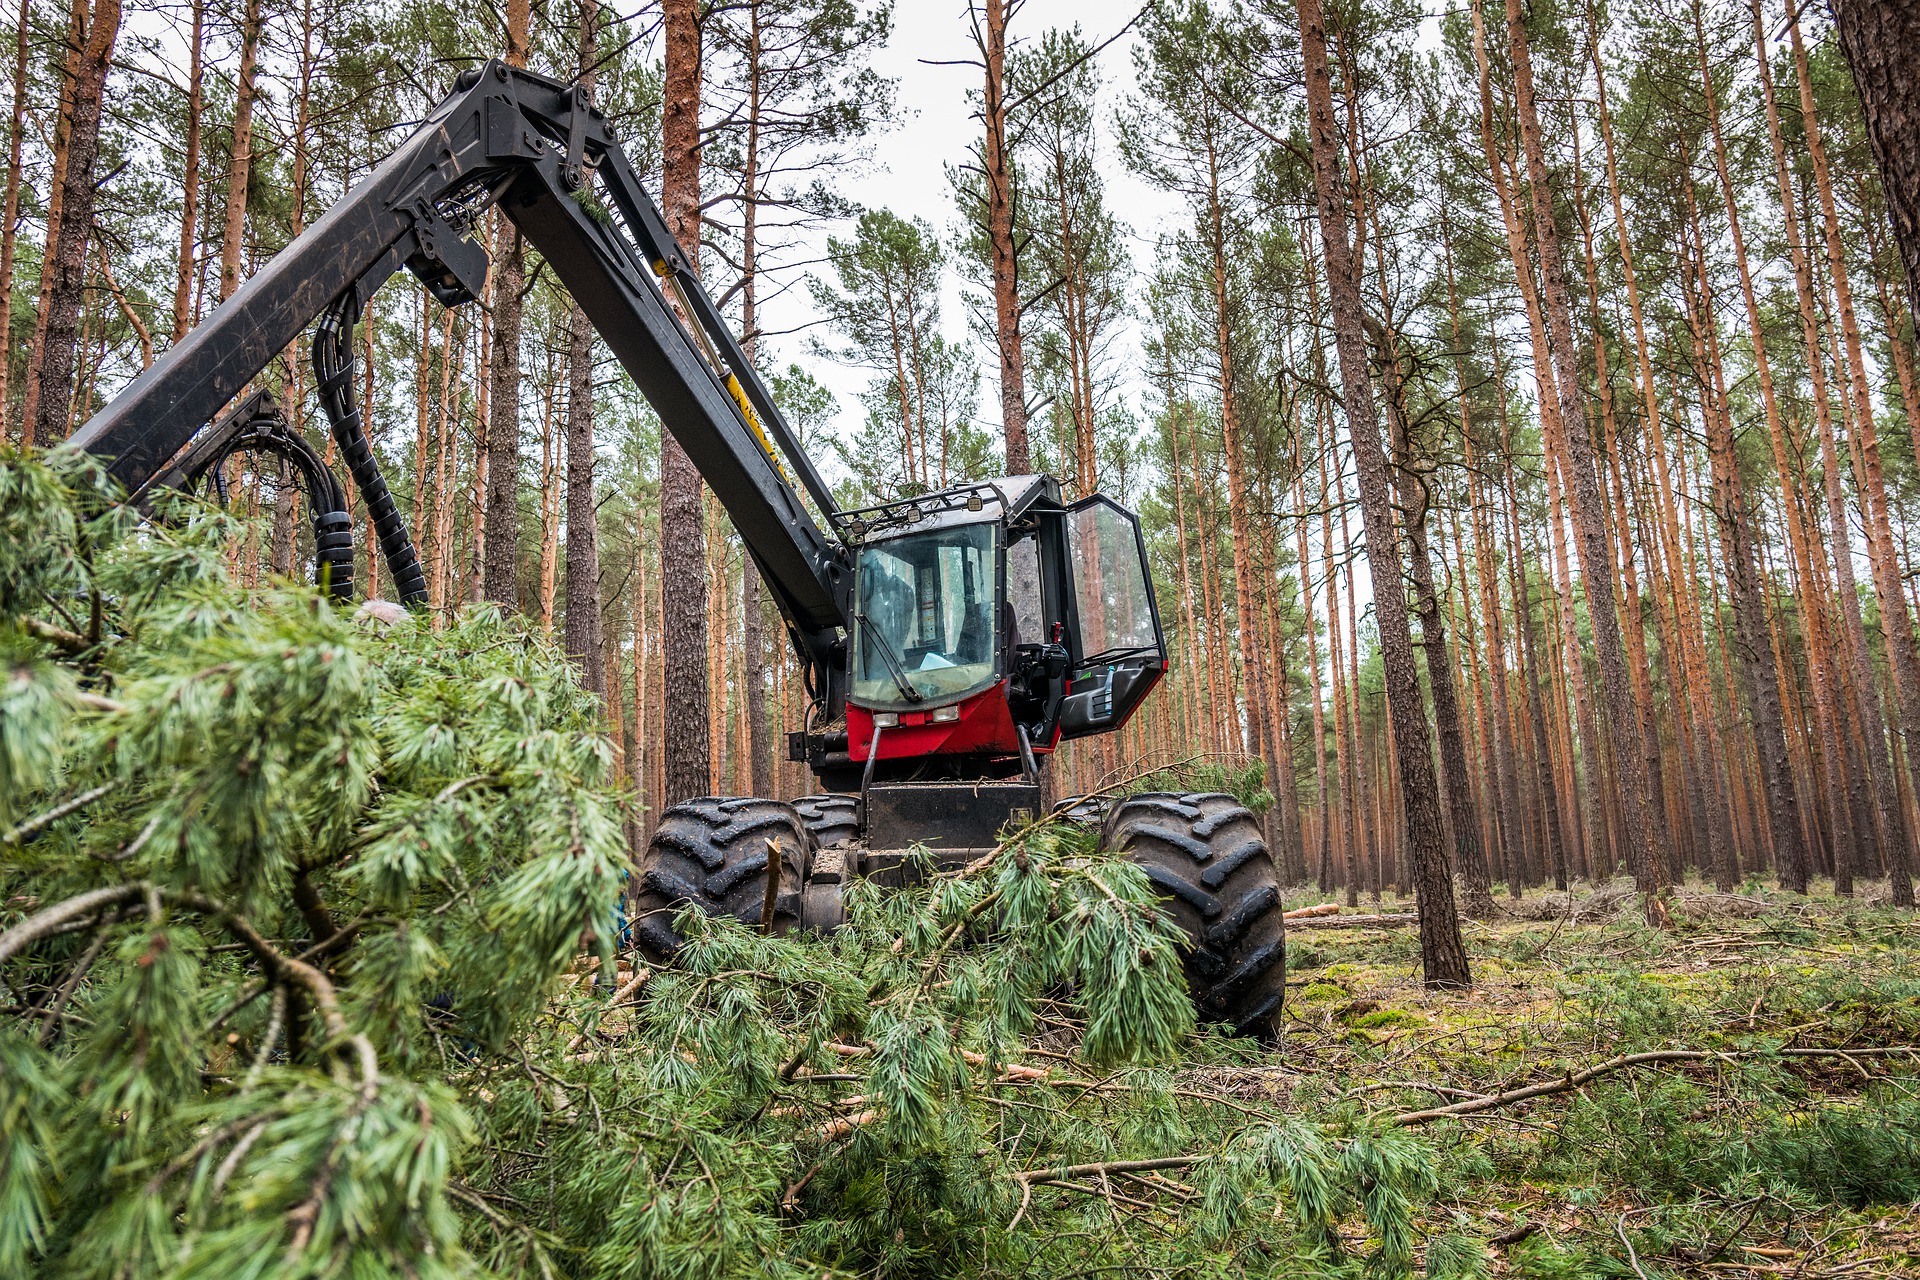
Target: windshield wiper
(895, 667)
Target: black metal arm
(549, 160)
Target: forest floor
(1789, 1148)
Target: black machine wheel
(712, 852)
(1205, 854)
(1084, 811)
(834, 819)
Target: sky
(907, 173)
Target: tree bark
(754, 632)
(1881, 40)
(1415, 503)
(991, 33)
(683, 543)
(1643, 854)
(55, 352)
(190, 180)
(1763, 677)
(1896, 624)
(1443, 953)
(234, 230)
(502, 549)
(10, 219)
(585, 639)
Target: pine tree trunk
(1322, 871)
(1643, 855)
(1193, 663)
(990, 27)
(1856, 696)
(1881, 39)
(502, 560)
(1245, 614)
(1415, 502)
(1344, 745)
(190, 179)
(1219, 668)
(57, 193)
(1507, 824)
(10, 218)
(1553, 854)
(683, 543)
(584, 638)
(584, 635)
(1634, 627)
(757, 745)
(1895, 622)
(1443, 953)
(422, 373)
(1763, 678)
(234, 230)
(56, 351)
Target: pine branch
(69, 642)
(1575, 1080)
(53, 815)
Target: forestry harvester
(949, 641)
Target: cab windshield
(924, 617)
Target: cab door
(1119, 652)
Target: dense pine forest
(1521, 408)
(1630, 293)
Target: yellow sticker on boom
(753, 424)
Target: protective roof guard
(537, 148)
(1000, 498)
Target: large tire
(1206, 856)
(833, 818)
(712, 852)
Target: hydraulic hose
(333, 374)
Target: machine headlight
(942, 715)
(885, 719)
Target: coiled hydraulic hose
(333, 374)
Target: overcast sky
(908, 172)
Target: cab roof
(1000, 498)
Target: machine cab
(990, 622)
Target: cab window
(924, 617)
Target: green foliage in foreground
(295, 905)
(296, 917)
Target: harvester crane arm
(538, 150)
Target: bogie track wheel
(712, 852)
(1205, 855)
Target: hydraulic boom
(541, 153)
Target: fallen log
(1395, 921)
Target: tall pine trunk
(1443, 954)
(185, 263)
(1643, 854)
(1895, 622)
(754, 631)
(233, 235)
(584, 633)
(1763, 677)
(501, 558)
(55, 351)
(683, 541)
(1415, 502)
(10, 218)
(990, 32)
(1881, 39)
